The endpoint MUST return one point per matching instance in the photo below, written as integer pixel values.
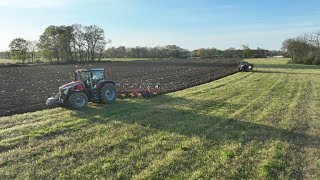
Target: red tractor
(89, 85)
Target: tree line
(173, 51)
(304, 49)
(88, 43)
(245, 52)
(169, 51)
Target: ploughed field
(26, 88)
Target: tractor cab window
(97, 75)
(83, 76)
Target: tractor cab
(90, 77)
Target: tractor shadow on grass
(166, 113)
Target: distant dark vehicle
(244, 66)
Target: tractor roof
(97, 69)
(87, 70)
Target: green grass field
(7, 61)
(257, 125)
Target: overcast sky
(189, 24)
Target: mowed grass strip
(259, 125)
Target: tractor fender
(75, 91)
(102, 83)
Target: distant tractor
(244, 66)
(89, 85)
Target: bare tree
(78, 43)
(32, 47)
(101, 47)
(304, 48)
(314, 39)
(93, 35)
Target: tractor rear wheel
(78, 100)
(108, 93)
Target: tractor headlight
(64, 91)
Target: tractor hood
(70, 85)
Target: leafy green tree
(195, 53)
(202, 52)
(19, 49)
(55, 42)
(65, 39)
(101, 47)
(48, 43)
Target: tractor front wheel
(78, 100)
(108, 93)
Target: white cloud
(34, 3)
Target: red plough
(145, 91)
